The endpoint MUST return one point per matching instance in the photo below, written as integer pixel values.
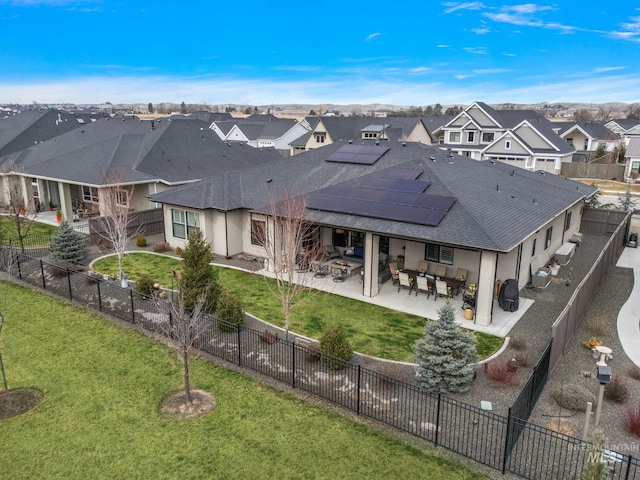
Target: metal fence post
(438, 419)
(19, 266)
(133, 311)
(99, 296)
(358, 396)
(507, 439)
(44, 282)
(239, 354)
(69, 283)
(293, 362)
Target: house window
(528, 162)
(441, 138)
(454, 137)
(570, 141)
(439, 253)
(122, 198)
(487, 137)
(507, 144)
(471, 137)
(340, 237)
(635, 166)
(320, 137)
(547, 241)
(89, 194)
(533, 248)
(586, 144)
(184, 222)
(567, 221)
(258, 229)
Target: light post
(604, 377)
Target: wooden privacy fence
(599, 222)
(600, 171)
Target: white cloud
(481, 30)
(372, 36)
(443, 46)
(455, 6)
(420, 70)
(607, 69)
(476, 50)
(51, 3)
(507, 54)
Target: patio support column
(66, 206)
(370, 266)
(484, 294)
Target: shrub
(144, 284)
(574, 397)
(335, 345)
(524, 359)
(229, 310)
(93, 277)
(592, 343)
(632, 419)
(599, 325)
(178, 251)
(501, 371)
(617, 390)
(268, 337)
(141, 241)
(518, 343)
(160, 247)
(634, 372)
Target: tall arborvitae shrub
(446, 354)
(335, 344)
(197, 276)
(229, 309)
(69, 246)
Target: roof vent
(269, 180)
(497, 188)
(350, 142)
(513, 172)
(433, 159)
(493, 162)
(404, 144)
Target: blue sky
(258, 53)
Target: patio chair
(441, 271)
(339, 274)
(405, 282)
(423, 266)
(461, 274)
(321, 271)
(393, 268)
(422, 285)
(442, 290)
(331, 252)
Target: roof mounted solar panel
(358, 154)
(437, 202)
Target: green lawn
(371, 329)
(35, 231)
(102, 384)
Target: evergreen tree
(596, 468)
(334, 343)
(197, 276)
(150, 107)
(69, 246)
(446, 354)
(183, 108)
(626, 202)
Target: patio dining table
(452, 283)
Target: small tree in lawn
(181, 328)
(446, 354)
(115, 221)
(197, 276)
(69, 246)
(289, 242)
(21, 212)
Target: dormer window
(320, 137)
(507, 144)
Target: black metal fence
(506, 444)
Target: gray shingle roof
(174, 151)
(597, 131)
(497, 206)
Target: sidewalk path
(629, 316)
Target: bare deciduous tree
(583, 115)
(21, 211)
(291, 246)
(115, 221)
(180, 328)
(605, 113)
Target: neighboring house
(30, 127)
(517, 137)
(627, 128)
(260, 131)
(388, 199)
(326, 130)
(633, 157)
(151, 155)
(587, 136)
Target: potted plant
(58, 216)
(21, 210)
(400, 261)
(50, 206)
